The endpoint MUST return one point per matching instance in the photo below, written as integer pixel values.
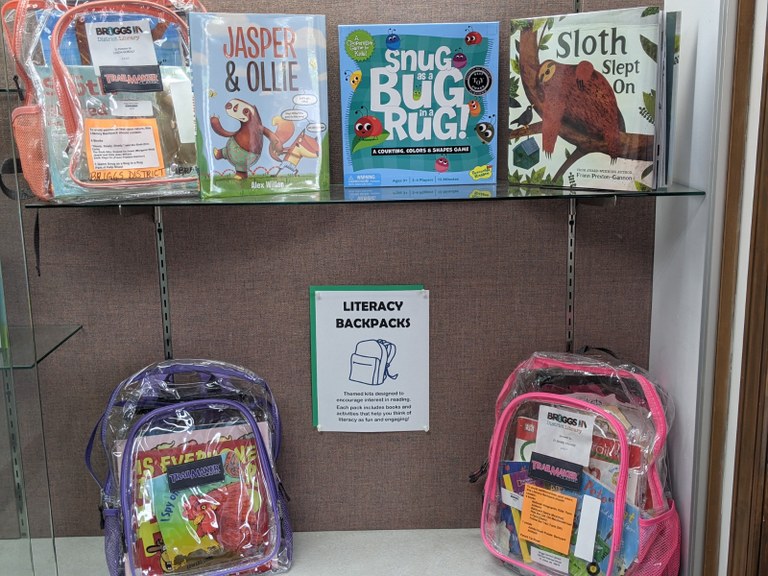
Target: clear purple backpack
(191, 486)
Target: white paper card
(131, 108)
(585, 538)
(127, 43)
(184, 108)
(550, 560)
(370, 359)
(564, 434)
(511, 499)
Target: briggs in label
(564, 434)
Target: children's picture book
(212, 508)
(185, 482)
(419, 103)
(586, 98)
(260, 85)
(515, 476)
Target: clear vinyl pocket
(126, 104)
(553, 504)
(198, 492)
(29, 133)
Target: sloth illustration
(244, 145)
(580, 96)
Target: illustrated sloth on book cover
(584, 99)
(260, 102)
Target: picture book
(515, 477)
(585, 99)
(419, 103)
(211, 508)
(260, 85)
(182, 480)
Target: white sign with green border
(370, 358)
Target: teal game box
(419, 103)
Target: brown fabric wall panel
(239, 282)
(98, 269)
(614, 276)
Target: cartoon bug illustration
(459, 60)
(417, 91)
(485, 131)
(472, 38)
(474, 108)
(367, 125)
(393, 40)
(353, 78)
(442, 164)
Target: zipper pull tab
(479, 473)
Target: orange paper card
(547, 518)
(123, 149)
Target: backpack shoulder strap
(390, 350)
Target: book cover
(177, 526)
(583, 99)
(211, 508)
(518, 473)
(419, 103)
(260, 85)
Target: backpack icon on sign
(369, 363)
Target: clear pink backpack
(577, 471)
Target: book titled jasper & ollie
(260, 102)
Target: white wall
(687, 257)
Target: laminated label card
(123, 148)
(564, 434)
(370, 358)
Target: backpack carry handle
(214, 370)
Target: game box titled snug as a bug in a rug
(419, 103)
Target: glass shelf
(24, 353)
(339, 194)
